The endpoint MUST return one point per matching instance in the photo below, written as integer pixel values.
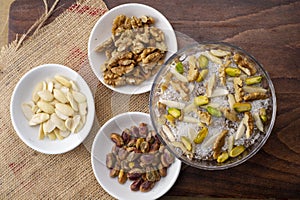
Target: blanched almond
(27, 111)
(79, 97)
(59, 123)
(73, 103)
(45, 107)
(240, 130)
(48, 126)
(79, 127)
(57, 134)
(51, 136)
(65, 133)
(41, 132)
(38, 118)
(62, 80)
(76, 121)
(83, 108)
(50, 85)
(219, 52)
(65, 109)
(37, 88)
(45, 95)
(74, 86)
(60, 96)
(69, 123)
(64, 89)
(60, 115)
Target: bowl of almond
(213, 105)
(52, 109)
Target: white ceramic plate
(102, 31)
(102, 145)
(23, 92)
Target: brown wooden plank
(270, 31)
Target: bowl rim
(266, 135)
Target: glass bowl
(227, 124)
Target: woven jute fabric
(28, 174)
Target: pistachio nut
(135, 174)
(117, 139)
(146, 186)
(135, 186)
(110, 160)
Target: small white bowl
(102, 145)
(102, 31)
(23, 92)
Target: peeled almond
(190, 119)
(34, 108)
(45, 107)
(79, 97)
(50, 86)
(65, 109)
(73, 103)
(45, 95)
(219, 92)
(82, 108)
(219, 52)
(76, 121)
(210, 85)
(60, 96)
(240, 130)
(230, 142)
(231, 101)
(27, 111)
(62, 80)
(60, 115)
(51, 136)
(209, 142)
(37, 88)
(79, 127)
(213, 58)
(74, 86)
(48, 126)
(69, 123)
(38, 118)
(57, 85)
(57, 134)
(258, 122)
(83, 118)
(59, 123)
(41, 132)
(65, 133)
(64, 89)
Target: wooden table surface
(270, 31)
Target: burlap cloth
(25, 173)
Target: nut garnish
(218, 93)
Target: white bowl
(102, 145)
(23, 92)
(102, 31)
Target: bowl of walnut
(128, 45)
(213, 105)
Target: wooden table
(270, 31)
